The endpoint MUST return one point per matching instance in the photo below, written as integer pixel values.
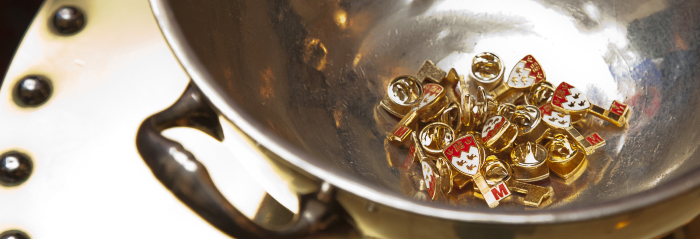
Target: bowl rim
(293, 155)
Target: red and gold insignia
(492, 126)
(464, 155)
(570, 98)
(526, 73)
(429, 178)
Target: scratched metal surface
(305, 76)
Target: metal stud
(32, 91)
(68, 20)
(14, 234)
(15, 168)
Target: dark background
(15, 17)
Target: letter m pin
(500, 191)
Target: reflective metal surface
(303, 79)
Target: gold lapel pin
(469, 112)
(540, 93)
(435, 137)
(452, 116)
(522, 77)
(498, 134)
(528, 119)
(554, 118)
(571, 100)
(431, 178)
(529, 162)
(534, 195)
(416, 153)
(476, 110)
(505, 109)
(430, 73)
(446, 175)
(466, 155)
(565, 158)
(589, 143)
(449, 83)
(487, 70)
(403, 92)
(495, 172)
(431, 103)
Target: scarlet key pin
(466, 156)
(571, 100)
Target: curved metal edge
(231, 111)
(181, 173)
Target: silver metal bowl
(303, 78)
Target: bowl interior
(311, 73)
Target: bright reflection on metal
(183, 159)
(547, 34)
(597, 54)
(29, 84)
(65, 13)
(341, 18)
(259, 168)
(11, 163)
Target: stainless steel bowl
(303, 78)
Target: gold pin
(616, 115)
(529, 162)
(565, 158)
(589, 143)
(495, 172)
(555, 118)
(446, 175)
(533, 194)
(475, 111)
(498, 134)
(449, 83)
(466, 155)
(528, 119)
(505, 109)
(430, 72)
(403, 92)
(571, 100)
(432, 102)
(524, 75)
(435, 137)
(431, 178)
(395, 152)
(415, 152)
(487, 103)
(487, 70)
(469, 112)
(452, 116)
(540, 94)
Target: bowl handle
(181, 173)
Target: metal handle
(181, 173)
